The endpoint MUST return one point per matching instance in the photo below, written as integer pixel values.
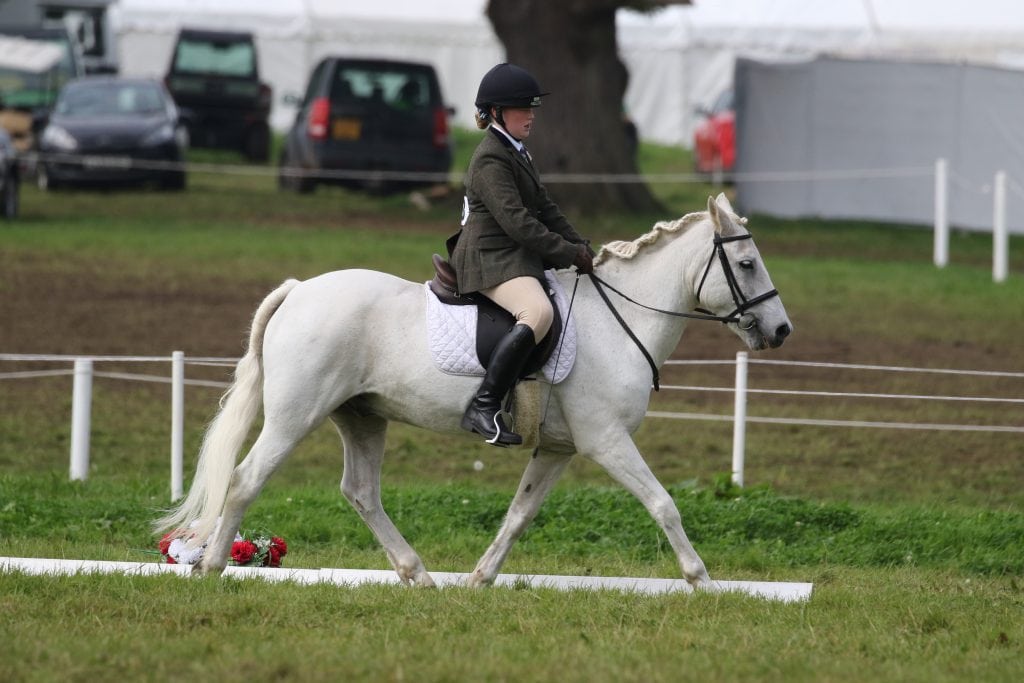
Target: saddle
(493, 321)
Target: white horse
(350, 346)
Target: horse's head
(734, 282)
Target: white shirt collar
(515, 143)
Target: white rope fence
(943, 178)
(83, 372)
(940, 171)
(740, 419)
(81, 401)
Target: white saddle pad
(451, 336)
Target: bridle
(743, 304)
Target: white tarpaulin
(678, 57)
(33, 56)
(837, 138)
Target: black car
(361, 116)
(109, 130)
(10, 177)
(214, 79)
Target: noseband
(743, 304)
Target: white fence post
(81, 419)
(739, 425)
(177, 423)
(941, 250)
(1000, 244)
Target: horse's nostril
(783, 331)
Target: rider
(511, 231)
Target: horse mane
(628, 249)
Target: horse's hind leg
(621, 459)
(273, 445)
(363, 439)
(541, 474)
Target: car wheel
(43, 180)
(173, 181)
(294, 180)
(257, 144)
(10, 198)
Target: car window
(110, 99)
(398, 89)
(224, 58)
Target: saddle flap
(445, 285)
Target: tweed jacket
(511, 228)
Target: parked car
(714, 138)
(107, 130)
(10, 177)
(365, 115)
(214, 79)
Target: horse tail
(196, 516)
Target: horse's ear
(715, 214)
(723, 202)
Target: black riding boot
(483, 415)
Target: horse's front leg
(541, 473)
(619, 456)
(363, 439)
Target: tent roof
(35, 56)
(449, 11)
(993, 16)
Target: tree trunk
(570, 47)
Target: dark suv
(360, 117)
(214, 80)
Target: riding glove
(584, 262)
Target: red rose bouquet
(261, 551)
(249, 550)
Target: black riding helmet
(508, 85)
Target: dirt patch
(82, 309)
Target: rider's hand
(583, 261)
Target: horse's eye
(747, 264)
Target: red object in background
(714, 138)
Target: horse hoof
(202, 570)
(698, 578)
(478, 580)
(424, 581)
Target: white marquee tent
(678, 58)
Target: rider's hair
(483, 117)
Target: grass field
(914, 539)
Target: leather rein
(743, 304)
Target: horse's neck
(660, 276)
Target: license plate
(346, 129)
(107, 162)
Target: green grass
(914, 540)
(750, 532)
(892, 625)
(903, 593)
